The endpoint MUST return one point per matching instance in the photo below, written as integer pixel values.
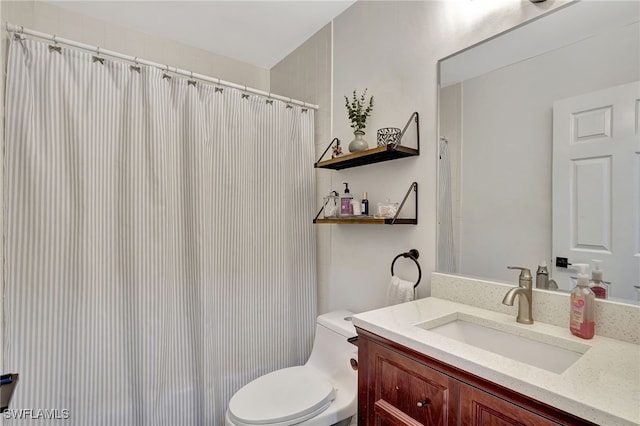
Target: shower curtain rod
(19, 29)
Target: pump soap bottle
(542, 276)
(582, 317)
(345, 202)
(597, 285)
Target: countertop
(603, 386)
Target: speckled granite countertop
(603, 386)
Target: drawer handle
(424, 403)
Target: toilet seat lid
(281, 397)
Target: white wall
(391, 48)
(508, 148)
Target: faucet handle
(525, 273)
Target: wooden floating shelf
(367, 221)
(369, 156)
(372, 220)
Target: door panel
(596, 185)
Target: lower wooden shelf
(372, 220)
(367, 221)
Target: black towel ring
(412, 254)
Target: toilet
(322, 392)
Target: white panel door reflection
(596, 191)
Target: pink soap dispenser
(582, 318)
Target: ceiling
(260, 33)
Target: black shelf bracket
(415, 117)
(327, 149)
(414, 188)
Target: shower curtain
(159, 246)
(446, 259)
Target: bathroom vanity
(401, 386)
(420, 365)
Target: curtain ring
(19, 35)
(136, 66)
(165, 75)
(55, 46)
(96, 57)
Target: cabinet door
(481, 408)
(406, 392)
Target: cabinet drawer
(407, 392)
(480, 408)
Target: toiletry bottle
(581, 321)
(331, 205)
(345, 202)
(597, 286)
(355, 207)
(542, 276)
(365, 205)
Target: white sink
(529, 350)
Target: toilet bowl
(322, 392)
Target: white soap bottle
(597, 285)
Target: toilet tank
(338, 322)
(332, 353)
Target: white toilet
(322, 392)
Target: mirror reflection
(539, 153)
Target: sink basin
(529, 350)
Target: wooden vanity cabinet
(398, 386)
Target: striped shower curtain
(446, 259)
(159, 247)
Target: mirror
(497, 202)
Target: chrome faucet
(526, 296)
